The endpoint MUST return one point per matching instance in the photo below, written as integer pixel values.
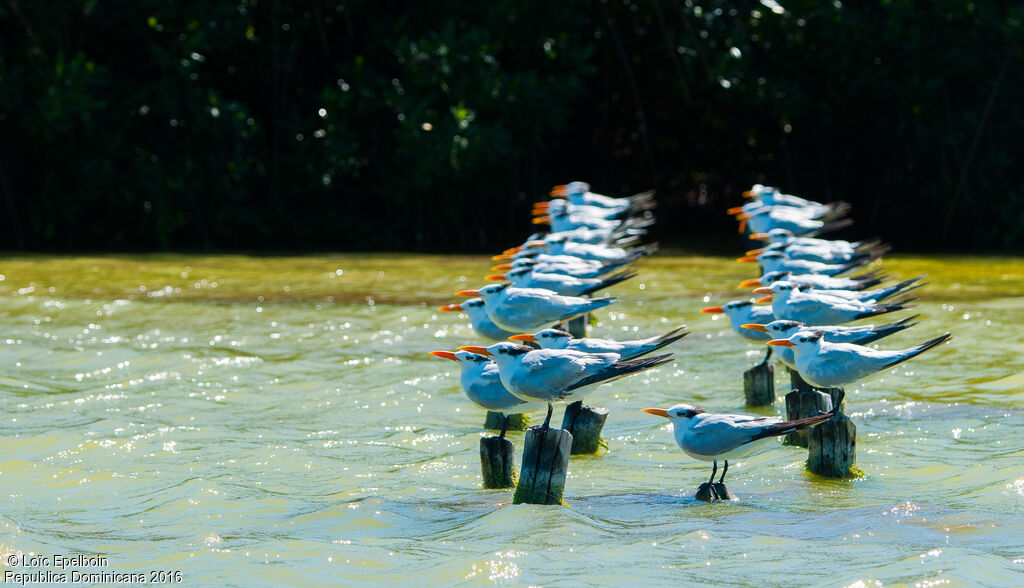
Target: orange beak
(755, 251)
(445, 355)
(743, 226)
(511, 251)
(541, 220)
(539, 244)
(468, 293)
(749, 194)
(749, 283)
(451, 308)
(712, 310)
(763, 290)
(475, 349)
(523, 338)
(559, 191)
(747, 259)
(776, 342)
(760, 237)
(764, 300)
(502, 258)
(657, 411)
(735, 210)
(742, 216)
(503, 267)
(754, 327)
(495, 277)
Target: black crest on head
(740, 303)
(693, 412)
(560, 333)
(816, 335)
(519, 350)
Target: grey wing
(716, 434)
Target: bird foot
(716, 492)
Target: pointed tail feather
(915, 351)
(884, 308)
(886, 330)
(787, 427)
(611, 281)
(902, 288)
(659, 341)
(830, 226)
(621, 369)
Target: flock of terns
(593, 238)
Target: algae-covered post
(585, 424)
(759, 385)
(496, 421)
(545, 465)
(497, 462)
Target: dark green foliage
(364, 124)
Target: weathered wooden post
(804, 403)
(497, 462)
(577, 327)
(832, 447)
(516, 421)
(759, 385)
(545, 464)
(585, 424)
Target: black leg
(723, 471)
(547, 421)
(767, 356)
(504, 426)
(714, 470)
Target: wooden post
(585, 424)
(545, 464)
(804, 403)
(497, 462)
(516, 421)
(577, 327)
(832, 447)
(759, 385)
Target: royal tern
(564, 284)
(558, 375)
(867, 296)
(814, 281)
(558, 339)
(710, 437)
(579, 193)
(603, 253)
(772, 196)
(482, 384)
(522, 310)
(778, 261)
(789, 302)
(765, 220)
(833, 365)
(823, 254)
(811, 210)
(478, 319)
(579, 269)
(858, 335)
(742, 312)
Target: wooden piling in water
(544, 467)
(804, 403)
(497, 462)
(516, 421)
(759, 385)
(577, 327)
(585, 424)
(832, 447)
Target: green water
(277, 420)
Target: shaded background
(360, 125)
